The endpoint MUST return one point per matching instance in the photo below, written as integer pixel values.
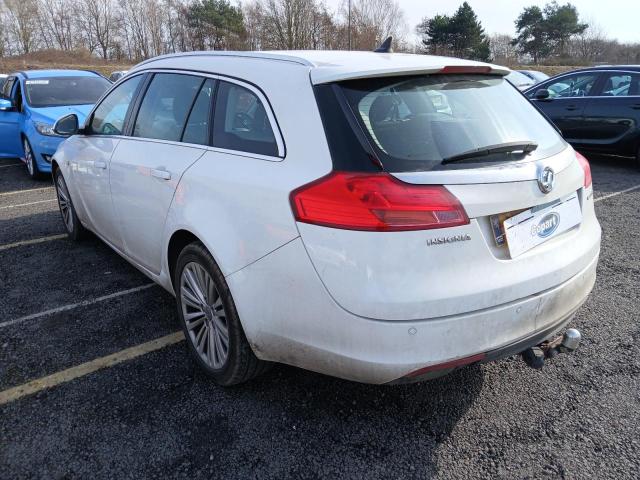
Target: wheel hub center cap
(208, 312)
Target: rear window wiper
(525, 147)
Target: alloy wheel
(64, 201)
(204, 315)
(29, 158)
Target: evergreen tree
(543, 32)
(460, 35)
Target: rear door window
(166, 105)
(241, 122)
(414, 123)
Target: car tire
(30, 160)
(75, 229)
(210, 321)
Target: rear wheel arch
(178, 241)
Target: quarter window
(109, 117)
(166, 104)
(197, 128)
(241, 122)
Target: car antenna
(385, 47)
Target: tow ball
(567, 343)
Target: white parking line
(15, 192)
(615, 194)
(11, 165)
(83, 369)
(64, 308)
(27, 204)
(33, 241)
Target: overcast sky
(618, 18)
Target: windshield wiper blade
(525, 147)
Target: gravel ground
(158, 416)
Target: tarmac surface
(156, 415)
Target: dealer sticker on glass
(532, 227)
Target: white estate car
(376, 217)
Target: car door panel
(569, 97)
(10, 120)
(566, 114)
(144, 177)
(90, 167)
(613, 117)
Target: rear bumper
(289, 317)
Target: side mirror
(66, 126)
(6, 105)
(543, 94)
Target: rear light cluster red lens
(375, 202)
(584, 163)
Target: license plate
(534, 226)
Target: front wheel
(210, 321)
(30, 160)
(72, 224)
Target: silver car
(377, 217)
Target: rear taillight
(375, 202)
(584, 163)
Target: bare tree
(589, 45)
(56, 18)
(502, 49)
(22, 23)
(374, 20)
(97, 23)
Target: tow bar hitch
(535, 356)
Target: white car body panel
(89, 166)
(335, 301)
(289, 318)
(144, 177)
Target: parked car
(376, 217)
(3, 77)
(520, 81)
(597, 109)
(32, 101)
(534, 75)
(117, 75)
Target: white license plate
(532, 227)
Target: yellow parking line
(33, 241)
(83, 369)
(15, 192)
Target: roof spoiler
(385, 47)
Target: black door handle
(572, 108)
(636, 106)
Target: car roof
(629, 68)
(335, 65)
(56, 73)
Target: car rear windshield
(414, 123)
(58, 91)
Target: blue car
(31, 102)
